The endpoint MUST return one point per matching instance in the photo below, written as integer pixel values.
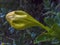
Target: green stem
(42, 26)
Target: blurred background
(37, 8)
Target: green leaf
(47, 3)
(42, 38)
(57, 18)
(49, 21)
(56, 29)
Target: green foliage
(22, 20)
(56, 29)
(53, 22)
(47, 4)
(21, 17)
(43, 37)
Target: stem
(44, 27)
